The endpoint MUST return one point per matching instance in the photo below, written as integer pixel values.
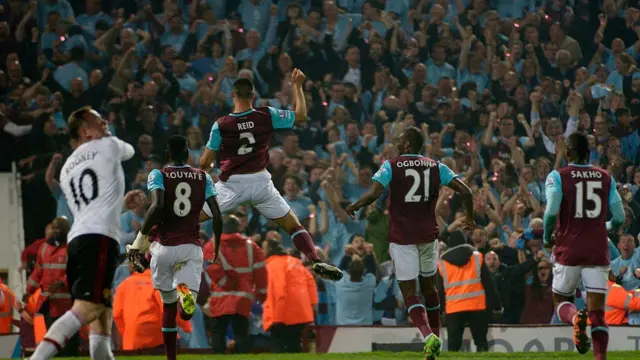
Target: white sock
(57, 336)
(100, 347)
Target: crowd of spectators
(496, 84)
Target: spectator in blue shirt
(437, 66)
(176, 34)
(628, 261)
(257, 49)
(89, 19)
(354, 295)
(62, 7)
(72, 71)
(255, 15)
(300, 205)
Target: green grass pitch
(619, 355)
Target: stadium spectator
(50, 277)
(291, 297)
(467, 291)
(354, 295)
(538, 303)
(629, 259)
(7, 299)
(137, 313)
(237, 280)
(507, 278)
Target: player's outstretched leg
(303, 242)
(170, 329)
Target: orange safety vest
(618, 303)
(463, 285)
(6, 309)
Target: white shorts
(256, 190)
(410, 261)
(567, 278)
(173, 265)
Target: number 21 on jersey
(418, 179)
(586, 189)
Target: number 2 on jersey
(182, 204)
(411, 196)
(246, 146)
(591, 196)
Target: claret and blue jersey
(185, 192)
(243, 139)
(579, 198)
(280, 119)
(414, 186)
(384, 174)
(155, 181)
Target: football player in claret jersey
(92, 181)
(579, 198)
(178, 193)
(242, 138)
(414, 183)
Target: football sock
(566, 311)
(418, 315)
(57, 337)
(303, 242)
(170, 330)
(599, 334)
(432, 303)
(100, 347)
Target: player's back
(243, 139)
(245, 142)
(581, 234)
(184, 197)
(413, 194)
(92, 181)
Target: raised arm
(298, 78)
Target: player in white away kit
(92, 180)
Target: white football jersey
(92, 181)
